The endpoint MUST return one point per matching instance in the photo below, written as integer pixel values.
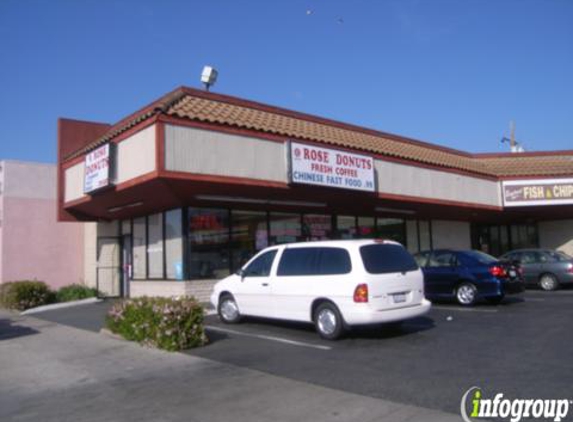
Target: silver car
(545, 268)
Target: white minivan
(333, 284)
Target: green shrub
(170, 324)
(22, 295)
(75, 292)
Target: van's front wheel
(328, 321)
(228, 310)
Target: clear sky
(450, 72)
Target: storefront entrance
(108, 270)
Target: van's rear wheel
(328, 321)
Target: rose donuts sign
(330, 167)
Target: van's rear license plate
(399, 297)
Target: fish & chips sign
(518, 193)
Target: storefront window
(126, 227)
(249, 235)
(139, 249)
(366, 227)
(392, 229)
(155, 245)
(285, 228)
(316, 227)
(345, 227)
(173, 245)
(524, 236)
(497, 240)
(208, 243)
(425, 233)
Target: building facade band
(184, 191)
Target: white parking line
(457, 308)
(550, 294)
(270, 338)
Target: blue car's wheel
(466, 294)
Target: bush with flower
(170, 324)
(26, 294)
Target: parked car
(468, 276)
(333, 284)
(543, 267)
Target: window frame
(261, 255)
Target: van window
(334, 261)
(387, 258)
(314, 261)
(261, 266)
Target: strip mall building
(182, 192)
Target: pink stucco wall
(33, 244)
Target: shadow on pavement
(9, 330)
(253, 326)
(392, 330)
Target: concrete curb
(106, 332)
(61, 305)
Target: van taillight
(570, 268)
(361, 293)
(497, 271)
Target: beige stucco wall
(74, 182)
(136, 155)
(410, 180)
(451, 234)
(206, 152)
(556, 234)
(201, 289)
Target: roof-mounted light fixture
(209, 76)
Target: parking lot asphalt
(56, 373)
(521, 348)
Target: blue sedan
(468, 276)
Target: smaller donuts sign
(97, 170)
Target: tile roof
(530, 165)
(191, 104)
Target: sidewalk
(51, 372)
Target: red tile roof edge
(164, 102)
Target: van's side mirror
(241, 273)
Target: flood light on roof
(209, 76)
